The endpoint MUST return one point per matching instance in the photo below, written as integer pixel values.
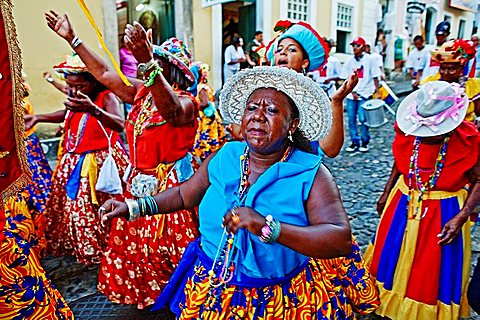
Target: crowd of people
(179, 218)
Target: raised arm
(61, 25)
(53, 117)
(176, 111)
(332, 144)
(186, 196)
(327, 236)
(58, 85)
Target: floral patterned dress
(142, 255)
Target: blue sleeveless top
(281, 191)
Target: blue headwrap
(315, 47)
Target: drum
(375, 113)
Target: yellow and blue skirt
(417, 277)
(311, 291)
(25, 291)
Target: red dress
(142, 255)
(73, 226)
(417, 277)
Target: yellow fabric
(472, 88)
(102, 42)
(90, 171)
(27, 106)
(394, 304)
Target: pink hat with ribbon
(438, 107)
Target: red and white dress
(73, 224)
(142, 255)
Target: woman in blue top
(268, 210)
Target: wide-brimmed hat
(177, 53)
(436, 108)
(312, 102)
(313, 44)
(455, 51)
(72, 65)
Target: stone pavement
(360, 177)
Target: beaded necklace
(226, 253)
(421, 186)
(77, 137)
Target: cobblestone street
(360, 177)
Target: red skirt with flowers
(73, 226)
(142, 255)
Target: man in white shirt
(442, 32)
(328, 75)
(416, 60)
(368, 73)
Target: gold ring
(235, 219)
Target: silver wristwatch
(143, 67)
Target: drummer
(368, 83)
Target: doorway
(239, 18)
(430, 19)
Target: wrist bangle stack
(151, 77)
(147, 206)
(270, 231)
(76, 41)
(133, 209)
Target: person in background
(475, 63)
(251, 49)
(416, 60)
(377, 58)
(431, 67)
(93, 119)
(38, 190)
(160, 129)
(128, 65)
(381, 44)
(211, 132)
(328, 75)
(234, 56)
(452, 58)
(368, 83)
(56, 84)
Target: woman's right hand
(112, 209)
(381, 203)
(60, 24)
(30, 121)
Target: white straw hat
(312, 102)
(438, 107)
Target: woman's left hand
(452, 229)
(139, 42)
(347, 87)
(246, 217)
(79, 103)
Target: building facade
(208, 25)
